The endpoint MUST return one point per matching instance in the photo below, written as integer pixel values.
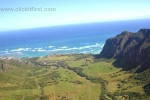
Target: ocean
(64, 39)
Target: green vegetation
(69, 77)
(147, 89)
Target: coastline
(50, 55)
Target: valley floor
(66, 77)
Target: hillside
(82, 76)
(130, 49)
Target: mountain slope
(130, 49)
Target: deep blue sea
(77, 38)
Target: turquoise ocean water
(78, 38)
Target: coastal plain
(64, 77)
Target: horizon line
(115, 20)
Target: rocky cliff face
(132, 46)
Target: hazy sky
(69, 12)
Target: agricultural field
(65, 77)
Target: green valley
(67, 77)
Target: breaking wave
(21, 52)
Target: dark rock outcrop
(134, 47)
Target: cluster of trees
(45, 80)
(77, 70)
(53, 63)
(95, 80)
(76, 82)
(9, 88)
(131, 95)
(44, 97)
(53, 75)
(81, 56)
(105, 95)
(102, 60)
(143, 77)
(29, 84)
(147, 89)
(39, 73)
(61, 64)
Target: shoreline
(56, 54)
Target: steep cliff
(134, 47)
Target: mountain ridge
(133, 48)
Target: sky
(65, 12)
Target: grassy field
(75, 79)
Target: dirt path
(37, 83)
